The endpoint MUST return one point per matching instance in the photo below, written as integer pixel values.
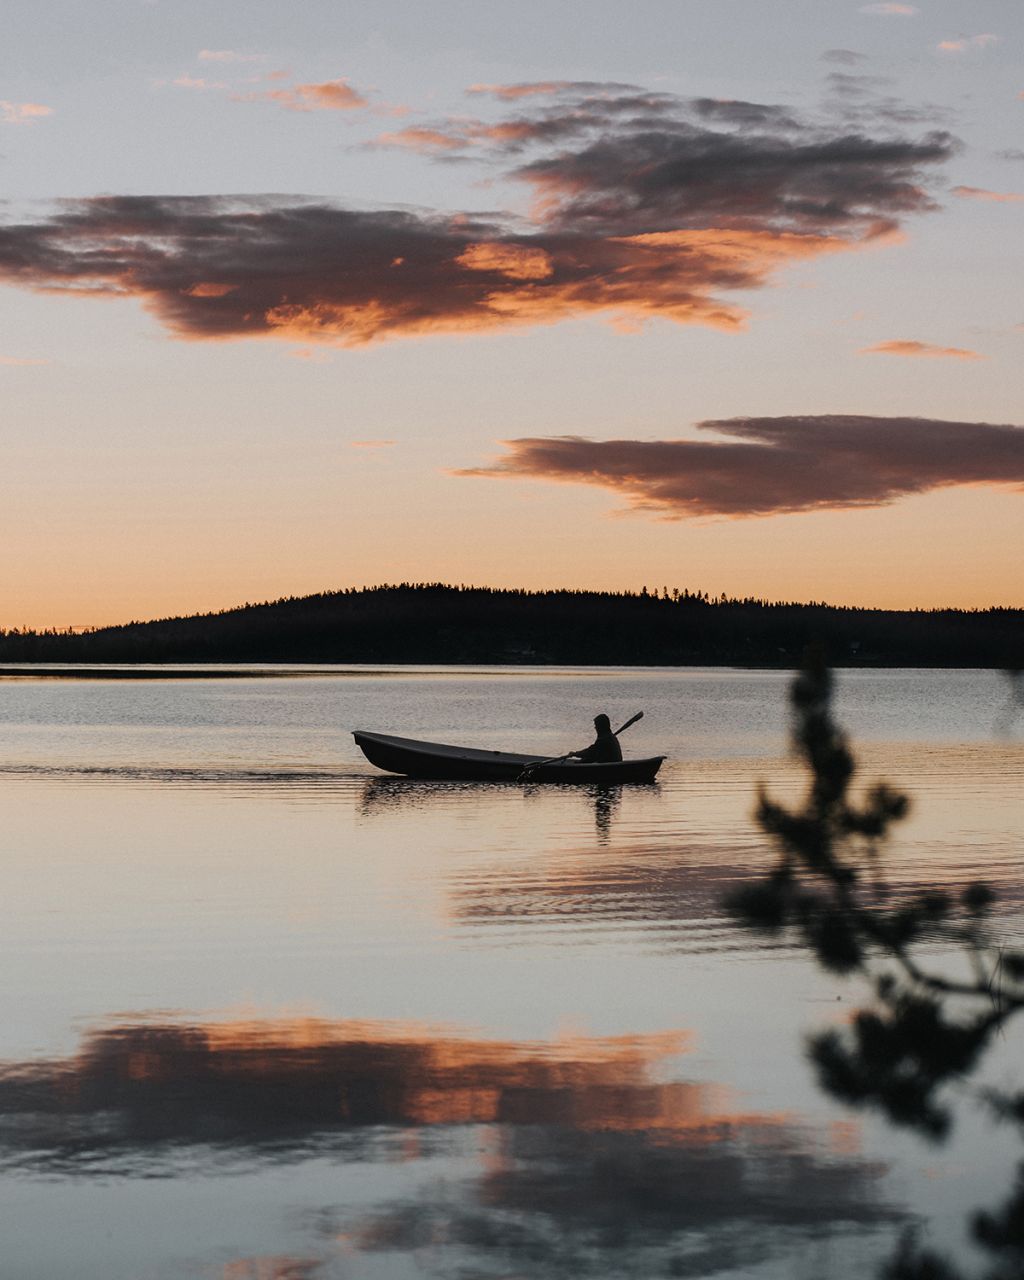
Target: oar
(535, 764)
(632, 720)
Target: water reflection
(678, 892)
(573, 1156)
(383, 795)
(606, 803)
(231, 780)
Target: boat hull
(444, 762)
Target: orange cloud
(517, 262)
(460, 134)
(669, 275)
(511, 92)
(209, 289)
(910, 348)
(21, 361)
(416, 138)
(330, 95)
(272, 1267)
(891, 10)
(979, 193)
(22, 112)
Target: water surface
(271, 1014)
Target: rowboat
(440, 760)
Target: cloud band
(777, 465)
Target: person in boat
(605, 747)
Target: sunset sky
(701, 293)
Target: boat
(442, 761)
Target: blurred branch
(925, 1031)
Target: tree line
(440, 623)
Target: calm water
(270, 1015)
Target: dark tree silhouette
(434, 622)
(911, 1054)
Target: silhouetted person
(605, 746)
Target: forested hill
(434, 623)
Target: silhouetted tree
(925, 1033)
(432, 622)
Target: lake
(271, 1015)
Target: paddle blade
(639, 716)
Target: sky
(708, 294)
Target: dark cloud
(214, 269)
(777, 465)
(844, 57)
(860, 101)
(745, 114)
(657, 180)
(572, 115)
(647, 204)
(845, 85)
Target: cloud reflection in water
(576, 1156)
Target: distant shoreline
(438, 625)
(43, 671)
(229, 671)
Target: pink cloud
(890, 10)
(418, 138)
(979, 193)
(906, 347)
(511, 92)
(309, 355)
(22, 112)
(964, 43)
(21, 362)
(371, 444)
(329, 95)
(459, 134)
(197, 82)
